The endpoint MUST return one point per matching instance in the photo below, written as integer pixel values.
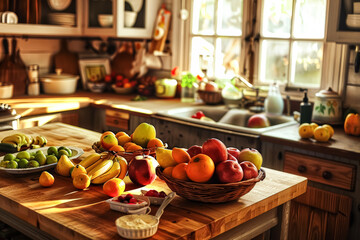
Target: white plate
(76, 152)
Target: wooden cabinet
(337, 28)
(71, 117)
(143, 12)
(330, 209)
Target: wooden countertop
(340, 144)
(68, 213)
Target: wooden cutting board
(122, 63)
(66, 60)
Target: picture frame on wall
(93, 71)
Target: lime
(12, 164)
(40, 158)
(3, 163)
(23, 163)
(17, 160)
(63, 152)
(9, 157)
(67, 149)
(39, 151)
(51, 159)
(33, 163)
(52, 151)
(23, 154)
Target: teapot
(327, 107)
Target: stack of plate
(65, 19)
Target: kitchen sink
(223, 118)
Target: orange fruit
(81, 181)
(76, 170)
(128, 144)
(180, 155)
(114, 187)
(46, 179)
(133, 148)
(117, 148)
(179, 172)
(118, 134)
(305, 130)
(123, 139)
(330, 129)
(201, 168)
(321, 134)
(168, 171)
(155, 142)
(313, 126)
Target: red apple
(233, 151)
(249, 169)
(215, 149)
(232, 158)
(229, 171)
(141, 170)
(194, 150)
(258, 121)
(251, 155)
(211, 87)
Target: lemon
(321, 134)
(164, 157)
(305, 130)
(330, 129)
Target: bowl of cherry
(131, 204)
(155, 197)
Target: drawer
(320, 170)
(117, 119)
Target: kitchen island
(63, 212)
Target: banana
(16, 139)
(113, 172)
(28, 140)
(92, 158)
(100, 169)
(40, 140)
(123, 166)
(92, 166)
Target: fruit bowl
(122, 90)
(210, 97)
(210, 192)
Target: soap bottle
(274, 104)
(305, 110)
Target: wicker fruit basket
(128, 155)
(210, 192)
(210, 98)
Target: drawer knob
(327, 175)
(302, 169)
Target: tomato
(201, 168)
(108, 78)
(198, 115)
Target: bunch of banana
(14, 142)
(104, 166)
(39, 141)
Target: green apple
(251, 155)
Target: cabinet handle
(280, 156)
(116, 121)
(327, 175)
(302, 169)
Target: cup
(130, 18)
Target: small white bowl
(138, 208)
(128, 228)
(105, 20)
(130, 18)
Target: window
(216, 33)
(287, 40)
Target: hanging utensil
(19, 76)
(4, 65)
(357, 59)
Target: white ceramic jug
(274, 103)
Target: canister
(327, 107)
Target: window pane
(202, 55)
(227, 57)
(306, 63)
(274, 60)
(203, 17)
(230, 14)
(276, 20)
(309, 19)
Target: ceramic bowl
(96, 87)
(59, 83)
(130, 18)
(139, 208)
(122, 90)
(137, 232)
(105, 20)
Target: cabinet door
(45, 17)
(319, 214)
(120, 18)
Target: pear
(143, 133)
(64, 165)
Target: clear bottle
(274, 104)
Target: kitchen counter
(340, 144)
(64, 212)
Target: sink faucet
(244, 101)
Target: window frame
(334, 55)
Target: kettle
(327, 107)
(165, 88)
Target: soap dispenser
(274, 104)
(305, 110)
